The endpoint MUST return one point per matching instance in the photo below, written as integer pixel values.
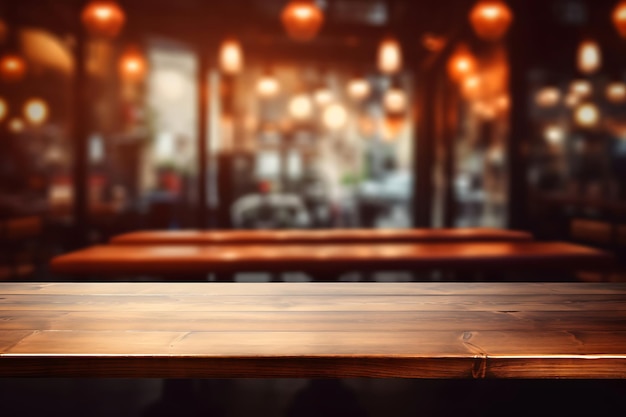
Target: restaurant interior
(125, 116)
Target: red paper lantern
(103, 18)
(132, 65)
(619, 18)
(302, 19)
(491, 19)
(461, 64)
(12, 68)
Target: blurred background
(126, 115)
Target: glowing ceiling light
(548, 97)
(359, 88)
(335, 116)
(581, 88)
(36, 111)
(395, 101)
(389, 56)
(268, 85)
(301, 107)
(589, 57)
(587, 115)
(616, 92)
(554, 134)
(323, 96)
(231, 57)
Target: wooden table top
(307, 330)
(319, 236)
(190, 259)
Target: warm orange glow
(484, 110)
(581, 88)
(366, 126)
(302, 19)
(471, 86)
(616, 92)
(12, 68)
(389, 56)
(461, 64)
(433, 43)
(4, 109)
(395, 101)
(301, 107)
(103, 18)
(132, 65)
(587, 115)
(359, 89)
(16, 125)
(392, 126)
(323, 96)
(36, 111)
(503, 103)
(589, 57)
(335, 116)
(572, 100)
(491, 19)
(619, 18)
(554, 134)
(231, 57)
(268, 86)
(548, 97)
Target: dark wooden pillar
(226, 157)
(80, 131)
(203, 145)
(424, 149)
(450, 116)
(520, 123)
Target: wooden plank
(220, 321)
(311, 289)
(303, 302)
(197, 259)
(334, 236)
(416, 330)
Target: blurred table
(325, 262)
(313, 330)
(326, 236)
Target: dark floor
(302, 398)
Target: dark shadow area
(302, 398)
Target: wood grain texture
(197, 259)
(306, 330)
(330, 236)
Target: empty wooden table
(308, 330)
(325, 236)
(326, 261)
